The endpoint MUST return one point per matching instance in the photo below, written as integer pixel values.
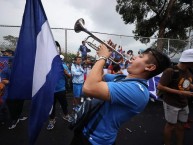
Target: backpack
(175, 76)
(89, 108)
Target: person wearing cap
(15, 106)
(8, 52)
(60, 95)
(176, 85)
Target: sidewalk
(144, 129)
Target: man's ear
(150, 67)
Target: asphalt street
(144, 129)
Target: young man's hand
(104, 51)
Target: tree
(69, 57)
(11, 39)
(187, 1)
(157, 18)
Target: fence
(70, 41)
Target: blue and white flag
(152, 83)
(36, 67)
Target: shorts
(77, 90)
(174, 114)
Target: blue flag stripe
(33, 18)
(41, 105)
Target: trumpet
(91, 44)
(79, 26)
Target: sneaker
(23, 118)
(13, 124)
(82, 99)
(76, 108)
(68, 118)
(51, 124)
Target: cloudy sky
(99, 15)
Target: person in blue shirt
(123, 99)
(15, 106)
(60, 95)
(84, 50)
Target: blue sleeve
(109, 77)
(132, 94)
(66, 68)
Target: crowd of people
(116, 63)
(13, 106)
(123, 99)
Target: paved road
(143, 129)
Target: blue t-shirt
(83, 50)
(66, 67)
(127, 99)
(61, 83)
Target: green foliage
(157, 18)
(69, 57)
(11, 39)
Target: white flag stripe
(45, 53)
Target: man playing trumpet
(123, 99)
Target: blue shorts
(77, 90)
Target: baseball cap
(187, 56)
(8, 51)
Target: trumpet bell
(79, 25)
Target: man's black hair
(77, 57)
(57, 43)
(161, 60)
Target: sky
(99, 16)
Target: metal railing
(70, 41)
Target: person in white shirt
(77, 79)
